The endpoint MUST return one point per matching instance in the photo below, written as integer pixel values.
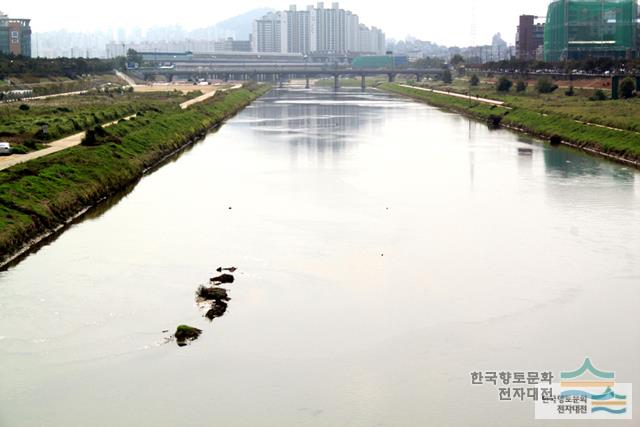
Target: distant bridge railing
(279, 73)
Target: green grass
(68, 115)
(622, 143)
(41, 194)
(621, 114)
(53, 85)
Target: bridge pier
(392, 77)
(363, 83)
(307, 86)
(418, 78)
(336, 82)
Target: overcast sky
(442, 21)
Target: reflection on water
(567, 163)
(385, 250)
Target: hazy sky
(444, 22)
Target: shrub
(521, 85)
(545, 85)
(627, 87)
(504, 84)
(90, 139)
(493, 121)
(474, 80)
(598, 95)
(570, 91)
(24, 107)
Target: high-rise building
(297, 30)
(316, 30)
(267, 33)
(579, 29)
(529, 38)
(15, 36)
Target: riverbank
(616, 144)
(41, 196)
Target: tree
(447, 77)
(545, 85)
(504, 84)
(521, 85)
(627, 87)
(134, 56)
(474, 80)
(429, 63)
(457, 60)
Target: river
(385, 250)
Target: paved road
(76, 139)
(54, 146)
(457, 95)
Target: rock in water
(218, 308)
(223, 278)
(213, 294)
(185, 333)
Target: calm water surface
(386, 250)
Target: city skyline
(406, 19)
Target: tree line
(55, 67)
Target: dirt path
(126, 78)
(206, 96)
(76, 139)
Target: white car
(5, 148)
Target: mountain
(239, 27)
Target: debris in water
(218, 308)
(213, 294)
(229, 269)
(223, 278)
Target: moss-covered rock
(185, 333)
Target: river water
(385, 250)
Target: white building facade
(316, 30)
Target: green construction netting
(576, 29)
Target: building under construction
(579, 29)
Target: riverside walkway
(76, 139)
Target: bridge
(276, 73)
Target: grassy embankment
(68, 115)
(41, 195)
(547, 116)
